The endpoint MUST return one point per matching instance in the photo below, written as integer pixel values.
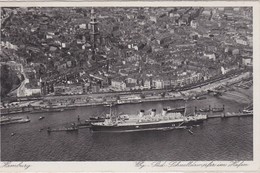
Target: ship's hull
(144, 126)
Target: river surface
(216, 139)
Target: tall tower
(94, 33)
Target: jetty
(62, 129)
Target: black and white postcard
(129, 86)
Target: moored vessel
(13, 120)
(43, 110)
(166, 120)
(218, 109)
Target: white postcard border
(149, 166)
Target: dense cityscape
(135, 48)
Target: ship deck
(135, 122)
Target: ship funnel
(153, 112)
(164, 111)
(141, 113)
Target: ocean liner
(168, 119)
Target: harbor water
(216, 139)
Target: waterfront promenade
(92, 99)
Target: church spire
(94, 32)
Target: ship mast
(185, 107)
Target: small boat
(190, 132)
(41, 118)
(247, 111)
(201, 98)
(12, 134)
(217, 109)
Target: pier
(72, 128)
(230, 115)
(220, 112)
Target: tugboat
(166, 120)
